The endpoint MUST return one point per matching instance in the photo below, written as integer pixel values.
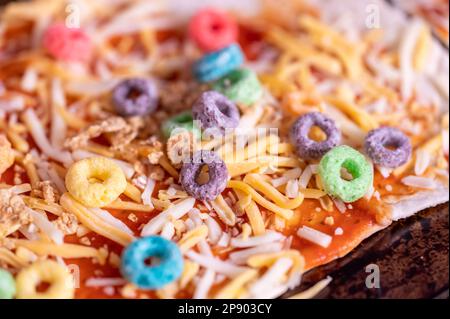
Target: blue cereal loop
(217, 64)
(149, 277)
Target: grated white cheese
(292, 189)
(224, 240)
(340, 205)
(240, 257)
(338, 231)
(314, 236)
(29, 80)
(108, 218)
(38, 133)
(168, 231)
(269, 236)
(204, 284)
(384, 171)
(148, 191)
(370, 192)
(58, 130)
(406, 51)
(105, 282)
(217, 265)
(305, 177)
(271, 278)
(419, 182)
(287, 176)
(47, 227)
(214, 230)
(423, 161)
(155, 225)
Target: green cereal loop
(7, 285)
(240, 86)
(355, 163)
(183, 120)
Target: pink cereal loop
(67, 44)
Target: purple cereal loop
(218, 176)
(308, 148)
(144, 102)
(378, 146)
(214, 110)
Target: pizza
(207, 149)
(435, 12)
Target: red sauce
(357, 223)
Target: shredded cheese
(282, 212)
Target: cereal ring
(169, 266)
(67, 44)
(308, 148)
(240, 86)
(184, 121)
(217, 171)
(388, 147)
(82, 181)
(60, 280)
(134, 97)
(355, 163)
(212, 29)
(219, 63)
(7, 285)
(213, 110)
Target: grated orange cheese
(224, 211)
(11, 259)
(304, 51)
(272, 193)
(267, 260)
(193, 237)
(282, 212)
(190, 270)
(126, 206)
(93, 222)
(233, 288)
(358, 115)
(133, 193)
(42, 248)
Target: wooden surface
(412, 257)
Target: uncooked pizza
(209, 149)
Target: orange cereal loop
(6, 154)
(96, 181)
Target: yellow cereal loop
(96, 181)
(59, 279)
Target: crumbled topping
(179, 95)
(13, 213)
(109, 125)
(127, 134)
(329, 220)
(85, 241)
(47, 191)
(67, 223)
(114, 260)
(180, 147)
(156, 173)
(132, 217)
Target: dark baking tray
(412, 256)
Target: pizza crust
(408, 206)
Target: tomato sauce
(357, 223)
